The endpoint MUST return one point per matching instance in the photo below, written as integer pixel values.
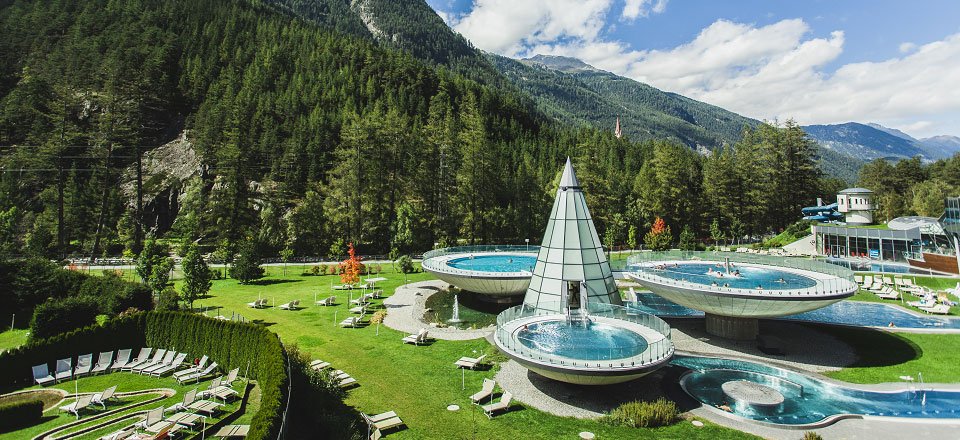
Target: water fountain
(455, 319)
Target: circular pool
(498, 273)
(495, 263)
(582, 341)
(736, 276)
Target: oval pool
(740, 276)
(495, 263)
(593, 341)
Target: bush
(661, 412)
(810, 435)
(405, 264)
(18, 414)
(62, 315)
(168, 300)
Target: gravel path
(406, 305)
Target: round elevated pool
(582, 341)
(495, 263)
(736, 276)
(497, 273)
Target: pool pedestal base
(732, 328)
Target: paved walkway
(405, 309)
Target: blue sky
(892, 62)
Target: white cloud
(776, 71)
(642, 8)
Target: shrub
(168, 300)
(810, 435)
(314, 270)
(17, 414)
(405, 264)
(636, 414)
(378, 317)
(62, 315)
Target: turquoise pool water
(808, 400)
(749, 277)
(592, 341)
(854, 313)
(495, 263)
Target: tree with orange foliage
(351, 268)
(659, 237)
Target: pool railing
(625, 358)
(430, 263)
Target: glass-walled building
(873, 243)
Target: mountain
(941, 146)
(575, 93)
(892, 131)
(864, 142)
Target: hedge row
(230, 344)
(15, 415)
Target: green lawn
(416, 382)
(12, 339)
(126, 382)
(884, 356)
(934, 283)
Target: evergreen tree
(152, 254)
(196, 275)
(246, 266)
(688, 241)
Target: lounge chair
(75, 407)
(167, 360)
(146, 361)
(123, 359)
(101, 398)
(292, 305)
(319, 365)
(193, 369)
(328, 301)
(381, 422)
(502, 405)
(232, 376)
(888, 281)
(858, 279)
(359, 309)
(221, 389)
(177, 362)
(352, 322)
(258, 304)
(417, 339)
(41, 374)
(939, 309)
(343, 379)
(185, 419)
(469, 362)
(153, 422)
(188, 398)
(84, 365)
(197, 375)
(120, 434)
(485, 391)
(103, 362)
(205, 406)
(376, 294)
(64, 369)
(893, 295)
(229, 431)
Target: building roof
(571, 251)
(927, 225)
(856, 191)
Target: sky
(896, 63)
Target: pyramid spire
(617, 132)
(571, 257)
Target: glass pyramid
(571, 256)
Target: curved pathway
(405, 309)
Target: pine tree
(196, 274)
(246, 267)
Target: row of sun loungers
(421, 337)
(342, 379)
(162, 363)
(486, 392)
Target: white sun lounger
(502, 405)
(123, 359)
(352, 322)
(154, 423)
(939, 309)
(84, 365)
(177, 362)
(41, 374)
(318, 365)
(292, 305)
(103, 362)
(381, 422)
(75, 407)
(143, 359)
(64, 369)
(193, 369)
(485, 391)
(167, 360)
(197, 375)
(469, 362)
(328, 301)
(101, 398)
